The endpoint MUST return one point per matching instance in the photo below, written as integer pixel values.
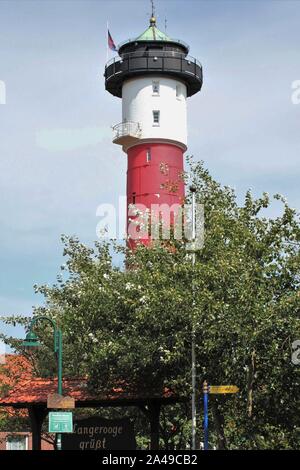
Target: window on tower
(155, 88)
(178, 92)
(156, 117)
(148, 155)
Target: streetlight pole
(194, 420)
(31, 340)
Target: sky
(57, 159)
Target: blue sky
(57, 161)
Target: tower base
(155, 185)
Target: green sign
(60, 421)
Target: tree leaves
(241, 297)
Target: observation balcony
(127, 133)
(140, 63)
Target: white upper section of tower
(157, 104)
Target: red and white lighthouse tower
(154, 76)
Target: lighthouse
(154, 75)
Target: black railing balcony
(170, 63)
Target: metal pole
(57, 336)
(205, 422)
(59, 361)
(59, 375)
(107, 29)
(194, 420)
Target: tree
(134, 325)
(12, 370)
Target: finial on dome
(152, 21)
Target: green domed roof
(153, 33)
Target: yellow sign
(223, 389)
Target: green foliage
(13, 422)
(242, 298)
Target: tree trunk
(152, 411)
(251, 376)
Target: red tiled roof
(28, 390)
(14, 367)
(36, 390)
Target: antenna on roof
(152, 8)
(166, 25)
(152, 19)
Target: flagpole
(107, 41)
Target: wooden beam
(154, 414)
(37, 415)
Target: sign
(58, 401)
(100, 434)
(223, 389)
(60, 421)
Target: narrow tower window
(155, 88)
(156, 117)
(148, 155)
(178, 92)
(133, 198)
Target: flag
(111, 43)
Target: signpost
(60, 421)
(205, 423)
(214, 390)
(59, 402)
(217, 389)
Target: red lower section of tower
(154, 177)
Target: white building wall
(139, 102)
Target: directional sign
(58, 401)
(223, 389)
(60, 421)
